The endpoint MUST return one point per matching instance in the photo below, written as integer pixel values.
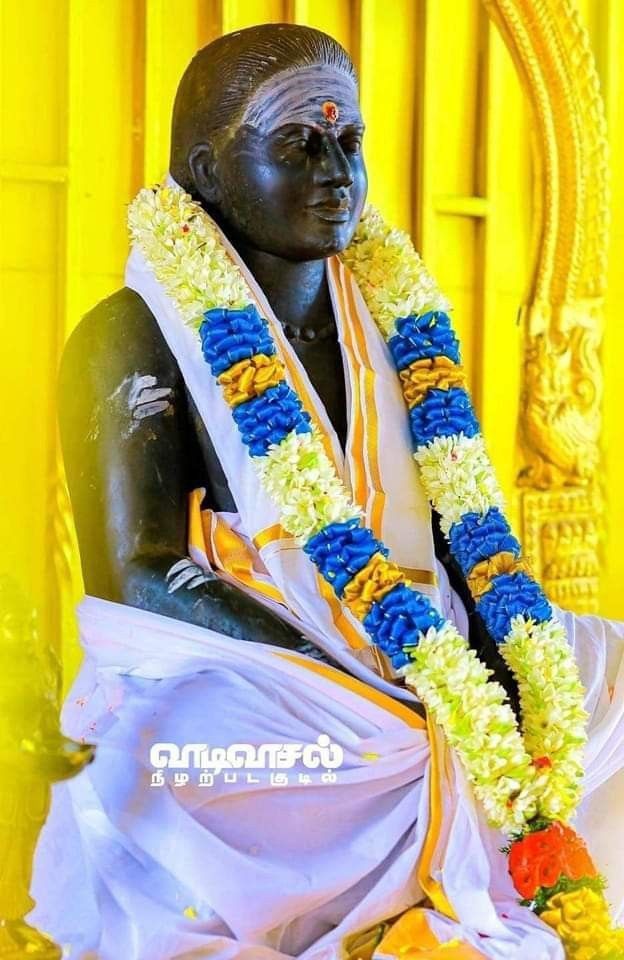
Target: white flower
(390, 274)
(301, 479)
(478, 722)
(183, 247)
(458, 477)
(551, 697)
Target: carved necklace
(528, 780)
(308, 334)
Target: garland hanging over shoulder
(529, 781)
(461, 485)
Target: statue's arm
(131, 458)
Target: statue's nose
(335, 167)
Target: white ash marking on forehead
(296, 95)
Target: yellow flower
(372, 583)
(479, 580)
(423, 375)
(250, 378)
(581, 920)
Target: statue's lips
(336, 212)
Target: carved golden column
(559, 485)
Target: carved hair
(221, 79)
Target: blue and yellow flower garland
(519, 778)
(461, 485)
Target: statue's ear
(202, 166)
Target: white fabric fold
(277, 873)
(269, 866)
(269, 872)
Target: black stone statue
(267, 136)
(285, 178)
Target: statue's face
(292, 180)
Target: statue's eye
(351, 142)
(313, 143)
(295, 145)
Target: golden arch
(562, 377)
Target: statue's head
(267, 134)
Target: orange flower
(579, 862)
(526, 879)
(541, 762)
(539, 859)
(549, 870)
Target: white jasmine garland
(551, 697)
(182, 246)
(173, 231)
(391, 276)
(454, 684)
(457, 476)
(300, 478)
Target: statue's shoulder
(124, 303)
(120, 330)
(124, 314)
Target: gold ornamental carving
(560, 423)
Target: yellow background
(87, 88)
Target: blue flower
(399, 660)
(395, 622)
(443, 413)
(270, 417)
(228, 336)
(512, 594)
(428, 335)
(478, 536)
(341, 550)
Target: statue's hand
(207, 601)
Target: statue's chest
(323, 363)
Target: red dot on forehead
(330, 111)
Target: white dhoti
(255, 871)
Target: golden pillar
(560, 420)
